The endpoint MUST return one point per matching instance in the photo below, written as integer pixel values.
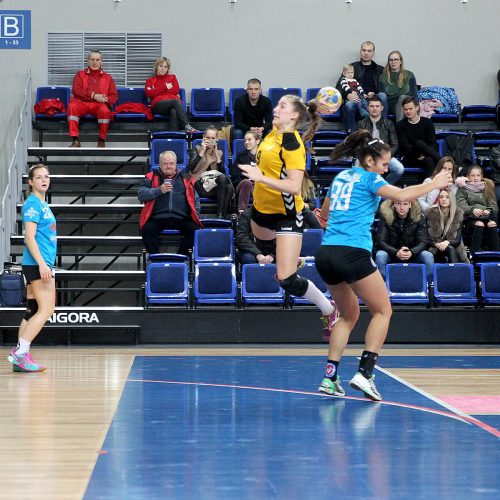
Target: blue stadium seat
(276, 93)
(234, 93)
(259, 285)
(309, 272)
(406, 283)
(178, 146)
(168, 257)
(443, 147)
(211, 223)
(238, 147)
(487, 138)
(213, 245)
(454, 284)
(131, 94)
(61, 93)
(167, 283)
(311, 242)
(311, 94)
(479, 113)
(490, 282)
(222, 145)
(215, 283)
(208, 103)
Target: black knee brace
(295, 285)
(31, 309)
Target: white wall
(300, 43)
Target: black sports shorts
(281, 223)
(32, 273)
(339, 263)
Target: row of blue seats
(216, 283)
(217, 244)
(210, 103)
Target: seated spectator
(382, 128)
(252, 111)
(206, 166)
(402, 236)
(444, 229)
(94, 92)
(446, 163)
(170, 202)
(476, 197)
(398, 83)
(417, 138)
(250, 249)
(163, 90)
(244, 186)
(350, 85)
(367, 73)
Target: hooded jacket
(394, 232)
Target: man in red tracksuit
(94, 92)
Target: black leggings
(174, 108)
(222, 192)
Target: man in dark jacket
(252, 111)
(170, 202)
(402, 236)
(366, 72)
(383, 129)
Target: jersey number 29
(341, 195)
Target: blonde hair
(308, 115)
(446, 221)
(402, 72)
(162, 60)
(347, 67)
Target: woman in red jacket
(163, 90)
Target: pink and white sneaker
(329, 320)
(24, 362)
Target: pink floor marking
(474, 405)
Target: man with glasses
(367, 73)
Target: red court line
(465, 419)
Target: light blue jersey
(353, 203)
(35, 210)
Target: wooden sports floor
(246, 422)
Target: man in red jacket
(94, 92)
(170, 202)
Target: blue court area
(254, 427)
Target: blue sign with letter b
(15, 29)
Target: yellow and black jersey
(277, 154)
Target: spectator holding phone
(206, 166)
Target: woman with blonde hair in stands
(444, 229)
(163, 90)
(398, 83)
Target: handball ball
(329, 100)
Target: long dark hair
(360, 144)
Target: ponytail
(360, 144)
(314, 120)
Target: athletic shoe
(24, 362)
(332, 387)
(365, 385)
(328, 321)
(101, 143)
(190, 129)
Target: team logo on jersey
(30, 213)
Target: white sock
(316, 296)
(23, 346)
